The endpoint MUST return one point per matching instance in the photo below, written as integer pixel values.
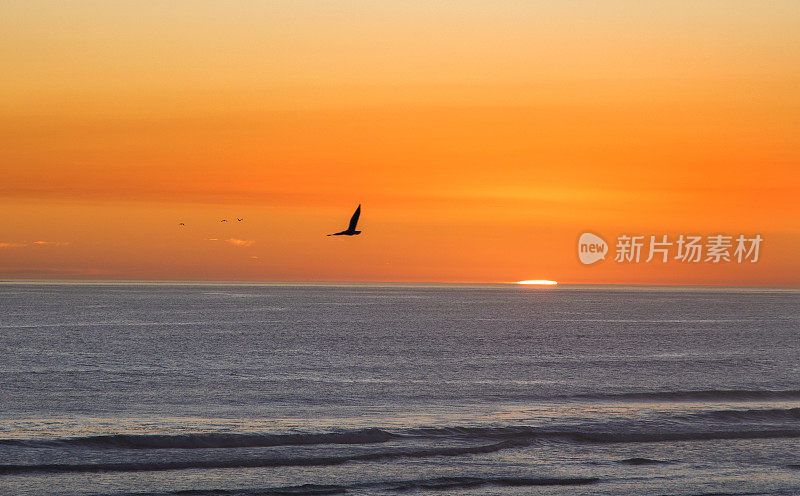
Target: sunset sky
(481, 137)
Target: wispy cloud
(240, 242)
(52, 271)
(51, 243)
(4, 244)
(212, 239)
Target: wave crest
(210, 440)
(157, 466)
(771, 414)
(708, 394)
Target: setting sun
(538, 282)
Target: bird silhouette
(237, 218)
(224, 220)
(351, 229)
(181, 224)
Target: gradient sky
(481, 137)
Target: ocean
(215, 389)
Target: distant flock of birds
(350, 231)
(181, 224)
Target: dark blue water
(223, 389)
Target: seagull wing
(354, 219)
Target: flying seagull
(237, 218)
(181, 224)
(224, 220)
(351, 229)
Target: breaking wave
(484, 440)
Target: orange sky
(482, 138)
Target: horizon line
(198, 282)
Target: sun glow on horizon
(538, 282)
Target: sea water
(219, 389)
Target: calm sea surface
(267, 389)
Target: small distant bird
(237, 218)
(224, 220)
(181, 224)
(351, 229)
